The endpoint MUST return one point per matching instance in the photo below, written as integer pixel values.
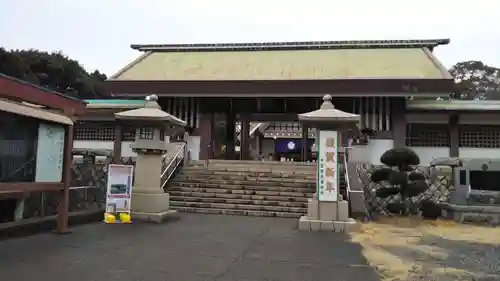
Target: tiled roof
(286, 61)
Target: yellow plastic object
(109, 218)
(125, 218)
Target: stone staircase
(252, 188)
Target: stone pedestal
(149, 201)
(151, 207)
(327, 216)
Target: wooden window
(479, 136)
(427, 135)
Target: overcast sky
(98, 33)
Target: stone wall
(88, 190)
(440, 187)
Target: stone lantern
(327, 210)
(149, 201)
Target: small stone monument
(149, 201)
(327, 211)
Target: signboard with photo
(119, 189)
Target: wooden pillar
(245, 137)
(454, 134)
(398, 116)
(63, 207)
(305, 137)
(205, 133)
(230, 135)
(117, 144)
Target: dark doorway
(7, 210)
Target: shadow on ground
(197, 247)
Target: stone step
(276, 178)
(191, 177)
(215, 195)
(240, 191)
(245, 207)
(211, 200)
(237, 212)
(290, 183)
(243, 170)
(243, 186)
(252, 163)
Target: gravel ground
(411, 249)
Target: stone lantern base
(149, 201)
(328, 217)
(151, 207)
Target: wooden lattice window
(427, 135)
(479, 136)
(94, 132)
(18, 144)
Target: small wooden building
(36, 138)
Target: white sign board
(119, 188)
(328, 166)
(50, 153)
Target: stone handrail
(355, 194)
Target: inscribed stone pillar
(328, 211)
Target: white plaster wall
(427, 154)
(126, 150)
(193, 145)
(376, 148)
(466, 152)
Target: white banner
(119, 189)
(328, 166)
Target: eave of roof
(33, 112)
(454, 105)
(13, 88)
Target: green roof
(114, 103)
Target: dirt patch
(414, 249)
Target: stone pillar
(328, 211)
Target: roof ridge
(306, 45)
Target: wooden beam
(273, 117)
(283, 88)
(23, 187)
